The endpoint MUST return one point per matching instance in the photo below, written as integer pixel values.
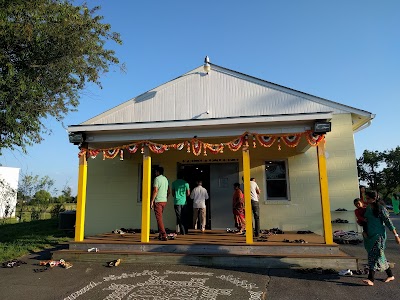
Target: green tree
(28, 186)
(49, 51)
(369, 165)
(66, 195)
(40, 204)
(42, 196)
(380, 170)
(391, 172)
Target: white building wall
(8, 176)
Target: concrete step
(170, 247)
(337, 261)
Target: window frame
(277, 200)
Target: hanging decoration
(197, 146)
(214, 148)
(291, 140)
(266, 140)
(179, 146)
(110, 153)
(236, 144)
(132, 148)
(157, 148)
(93, 153)
(314, 139)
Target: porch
(214, 248)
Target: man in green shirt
(159, 199)
(180, 190)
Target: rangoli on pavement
(151, 285)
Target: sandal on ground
(114, 263)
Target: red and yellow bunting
(111, 153)
(314, 139)
(157, 148)
(266, 140)
(236, 144)
(291, 140)
(197, 146)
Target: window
(276, 180)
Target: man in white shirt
(255, 205)
(199, 196)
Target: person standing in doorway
(255, 205)
(199, 196)
(159, 199)
(180, 190)
(238, 208)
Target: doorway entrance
(218, 179)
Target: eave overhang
(234, 126)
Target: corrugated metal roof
(222, 93)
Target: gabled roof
(219, 95)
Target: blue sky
(346, 51)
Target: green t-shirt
(180, 187)
(161, 183)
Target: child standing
(359, 212)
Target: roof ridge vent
(207, 66)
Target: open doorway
(218, 179)
(192, 173)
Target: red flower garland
(214, 148)
(196, 146)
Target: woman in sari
(238, 208)
(377, 217)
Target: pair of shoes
(203, 230)
(163, 238)
(67, 265)
(347, 272)
(93, 250)
(114, 263)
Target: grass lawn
(23, 238)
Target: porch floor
(210, 237)
(212, 248)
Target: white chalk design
(157, 287)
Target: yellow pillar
(146, 193)
(323, 184)
(81, 200)
(247, 197)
